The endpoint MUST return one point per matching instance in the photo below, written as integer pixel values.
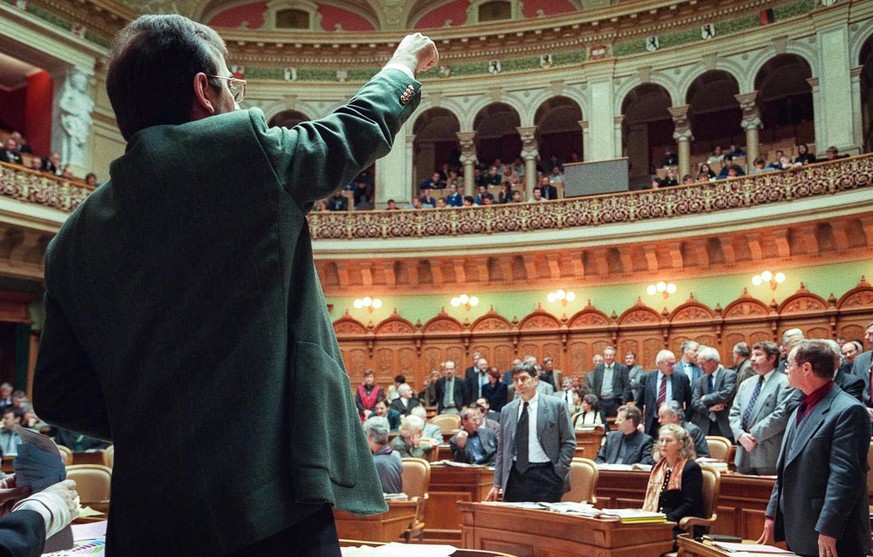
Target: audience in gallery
(16, 151)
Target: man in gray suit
(863, 367)
(742, 362)
(712, 396)
(819, 501)
(610, 382)
(536, 444)
(760, 412)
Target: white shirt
(535, 452)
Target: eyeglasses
(237, 87)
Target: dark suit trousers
(538, 483)
(610, 406)
(314, 536)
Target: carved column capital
(583, 124)
(528, 142)
(410, 138)
(751, 114)
(682, 127)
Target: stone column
(858, 116)
(618, 122)
(832, 94)
(817, 115)
(586, 137)
(751, 122)
(683, 137)
(468, 159)
(394, 172)
(529, 154)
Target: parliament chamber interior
(580, 177)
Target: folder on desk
(634, 516)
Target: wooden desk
(588, 442)
(689, 547)
(448, 485)
(412, 549)
(385, 527)
(532, 533)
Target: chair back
(66, 454)
(94, 484)
(583, 481)
(719, 447)
(448, 422)
(416, 476)
(109, 456)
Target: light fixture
(662, 288)
(775, 279)
(368, 303)
(562, 296)
(466, 301)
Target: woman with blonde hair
(409, 441)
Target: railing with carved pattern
(40, 188)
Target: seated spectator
(392, 206)
(669, 158)
(670, 179)
(493, 178)
(387, 461)
(676, 483)
(505, 195)
(655, 183)
(441, 203)
(717, 157)
(454, 198)
(759, 166)
(409, 443)
(321, 206)
(444, 171)
(472, 444)
(736, 152)
(9, 154)
(687, 180)
(556, 177)
(729, 167)
(77, 442)
(627, 444)
(468, 201)
(52, 165)
(454, 179)
(777, 164)
(405, 401)
(516, 197)
(479, 178)
(553, 163)
(363, 195)
(703, 178)
(518, 167)
(705, 168)
(67, 172)
(427, 199)
(537, 195)
(590, 416)
(91, 179)
(430, 431)
(833, 154)
(20, 144)
(36, 163)
(415, 204)
(803, 155)
(338, 202)
(508, 174)
(434, 182)
(671, 412)
(483, 195)
(393, 416)
(9, 439)
(548, 190)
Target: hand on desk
(767, 535)
(493, 493)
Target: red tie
(662, 392)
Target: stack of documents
(635, 516)
(752, 550)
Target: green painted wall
(822, 280)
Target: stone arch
(496, 134)
(865, 60)
(714, 112)
(557, 122)
(785, 100)
(435, 141)
(858, 39)
(647, 128)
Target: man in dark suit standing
(218, 289)
(712, 396)
(688, 364)
(742, 363)
(615, 390)
(627, 445)
(451, 391)
(819, 501)
(863, 367)
(536, 445)
(475, 377)
(659, 386)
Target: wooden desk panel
(448, 485)
(588, 443)
(533, 533)
(385, 527)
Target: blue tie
(747, 413)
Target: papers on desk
(625, 467)
(625, 516)
(460, 464)
(38, 463)
(635, 516)
(399, 550)
(751, 549)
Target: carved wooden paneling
(503, 356)
(818, 332)
(384, 364)
(356, 362)
(852, 332)
(408, 366)
(442, 323)
(651, 347)
(433, 357)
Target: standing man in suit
(627, 444)
(760, 412)
(406, 401)
(451, 391)
(863, 367)
(554, 377)
(688, 365)
(712, 396)
(610, 382)
(742, 361)
(203, 238)
(659, 386)
(634, 371)
(476, 377)
(819, 502)
(536, 445)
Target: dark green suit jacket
(185, 322)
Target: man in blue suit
(191, 270)
(819, 501)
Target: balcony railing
(40, 188)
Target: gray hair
(742, 349)
(404, 388)
(674, 408)
(419, 412)
(664, 355)
(411, 424)
(709, 353)
(376, 428)
(791, 335)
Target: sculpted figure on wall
(75, 107)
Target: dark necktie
(522, 459)
(662, 392)
(709, 385)
(747, 413)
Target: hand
(748, 442)
(870, 413)
(767, 535)
(416, 52)
(492, 494)
(10, 495)
(58, 504)
(461, 441)
(827, 546)
(716, 408)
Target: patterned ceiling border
(752, 191)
